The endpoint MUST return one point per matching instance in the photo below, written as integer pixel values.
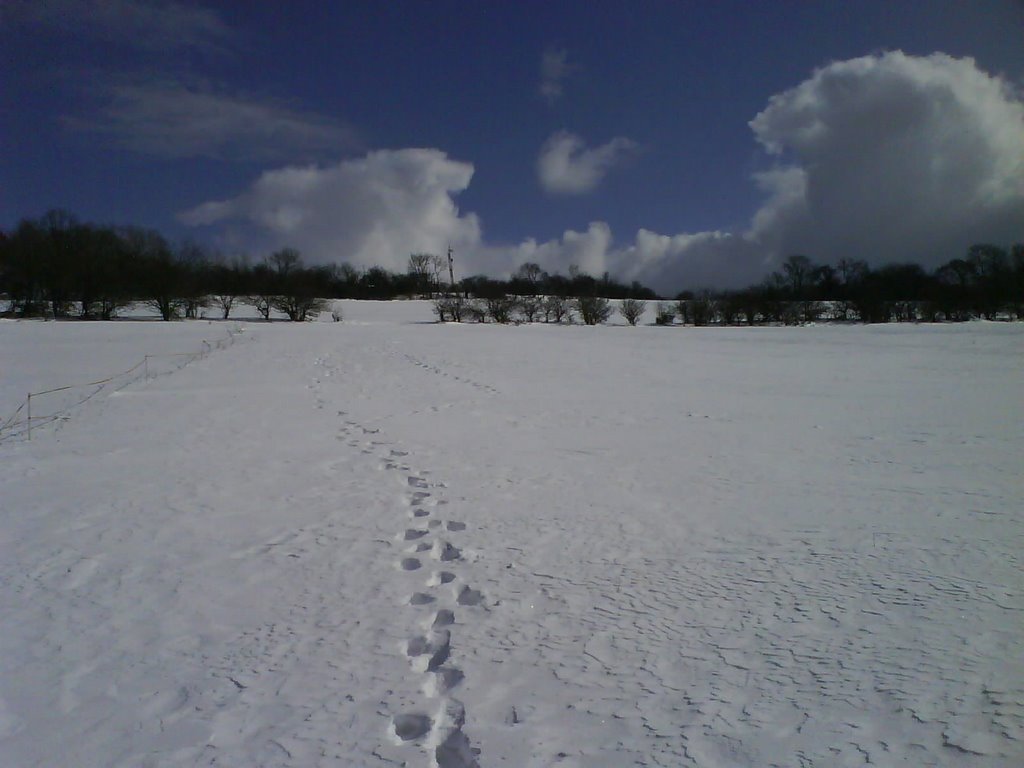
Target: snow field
(387, 541)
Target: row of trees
(987, 283)
(591, 309)
(58, 266)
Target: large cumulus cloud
(884, 158)
(371, 211)
(893, 157)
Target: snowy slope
(387, 541)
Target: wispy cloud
(177, 120)
(554, 69)
(566, 167)
(153, 26)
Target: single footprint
(441, 577)
(442, 681)
(416, 482)
(429, 653)
(421, 598)
(456, 526)
(454, 750)
(444, 618)
(423, 546)
(410, 563)
(420, 512)
(434, 524)
(446, 552)
(469, 596)
(409, 727)
(411, 534)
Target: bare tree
(556, 309)
(419, 270)
(449, 308)
(437, 264)
(298, 299)
(265, 285)
(700, 310)
(632, 310)
(476, 310)
(593, 310)
(500, 308)
(664, 313)
(224, 301)
(798, 271)
(529, 276)
(529, 307)
(285, 261)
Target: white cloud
(663, 262)
(566, 167)
(373, 211)
(172, 119)
(155, 26)
(893, 157)
(554, 69)
(884, 158)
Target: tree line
(59, 266)
(988, 282)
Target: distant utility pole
(451, 268)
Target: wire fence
(49, 405)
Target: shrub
(556, 309)
(664, 313)
(529, 307)
(593, 309)
(449, 308)
(632, 309)
(476, 310)
(499, 308)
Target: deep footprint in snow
(444, 618)
(469, 596)
(456, 526)
(423, 546)
(429, 653)
(416, 482)
(441, 577)
(419, 496)
(411, 534)
(421, 598)
(420, 512)
(446, 552)
(454, 751)
(410, 563)
(409, 727)
(443, 680)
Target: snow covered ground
(387, 541)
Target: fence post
(29, 415)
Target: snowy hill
(388, 541)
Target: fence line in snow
(21, 422)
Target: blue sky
(680, 143)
